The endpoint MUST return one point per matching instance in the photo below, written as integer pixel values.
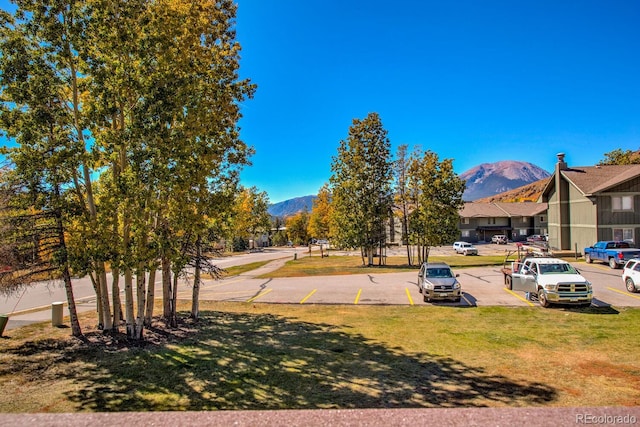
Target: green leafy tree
(278, 231)
(166, 73)
(40, 98)
(319, 218)
(36, 211)
(361, 188)
(402, 196)
(621, 157)
(297, 228)
(154, 87)
(435, 197)
(251, 217)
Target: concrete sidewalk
(44, 314)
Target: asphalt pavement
(482, 286)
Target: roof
(501, 209)
(523, 209)
(591, 180)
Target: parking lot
(481, 286)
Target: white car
(456, 245)
(631, 275)
(466, 249)
(499, 239)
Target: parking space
(482, 286)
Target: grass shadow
(230, 361)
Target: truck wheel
(631, 287)
(507, 281)
(542, 299)
(426, 298)
(588, 259)
(612, 263)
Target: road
(39, 297)
(482, 286)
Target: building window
(492, 220)
(465, 220)
(522, 231)
(620, 234)
(541, 219)
(622, 203)
(466, 233)
(523, 220)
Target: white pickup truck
(551, 280)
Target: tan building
(591, 203)
(481, 221)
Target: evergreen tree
(361, 188)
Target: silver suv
(436, 281)
(631, 275)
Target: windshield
(439, 272)
(557, 269)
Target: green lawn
(239, 269)
(261, 356)
(344, 265)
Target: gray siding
(583, 219)
(553, 220)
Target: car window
(557, 269)
(637, 266)
(439, 273)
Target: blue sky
(475, 81)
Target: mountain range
(489, 179)
(506, 180)
(292, 206)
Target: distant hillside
(505, 181)
(526, 193)
(490, 179)
(292, 206)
